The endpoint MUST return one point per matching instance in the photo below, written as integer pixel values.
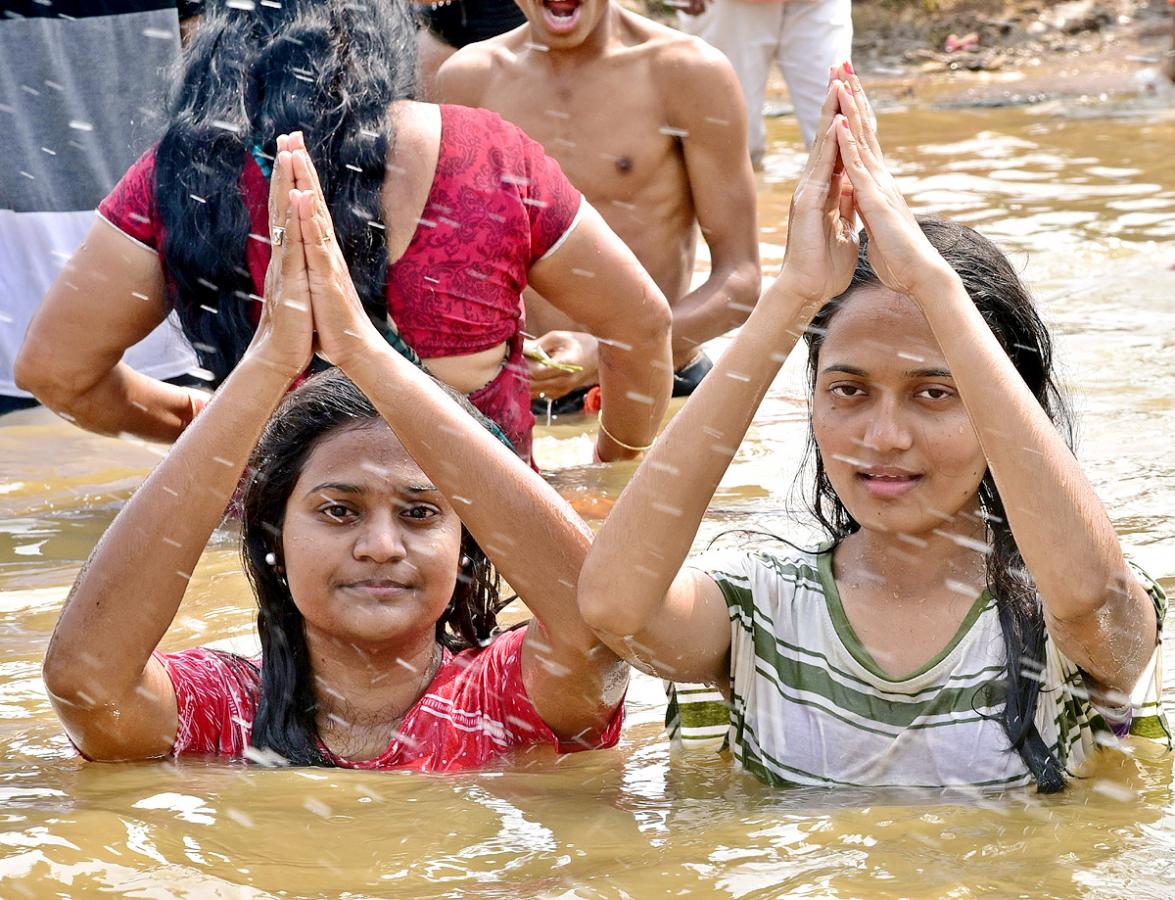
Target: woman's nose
(380, 538)
(888, 428)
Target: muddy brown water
(1083, 198)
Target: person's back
(444, 215)
(648, 123)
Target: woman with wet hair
(444, 214)
(376, 576)
(970, 620)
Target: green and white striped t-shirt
(810, 706)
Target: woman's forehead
(881, 325)
(367, 453)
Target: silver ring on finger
(277, 235)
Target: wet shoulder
(468, 74)
(673, 53)
(689, 73)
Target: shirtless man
(650, 125)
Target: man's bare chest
(611, 139)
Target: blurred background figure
(802, 37)
(449, 25)
(81, 86)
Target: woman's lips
(887, 485)
(561, 16)
(379, 590)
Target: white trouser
(804, 37)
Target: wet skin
(904, 458)
(896, 440)
(648, 125)
(370, 547)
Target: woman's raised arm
(633, 590)
(1098, 613)
(113, 698)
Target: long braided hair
(330, 68)
(324, 404)
(1008, 309)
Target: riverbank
(1004, 53)
(975, 53)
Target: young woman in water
(971, 620)
(444, 215)
(377, 601)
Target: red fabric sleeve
(552, 202)
(130, 205)
(216, 699)
(492, 683)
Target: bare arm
(633, 590)
(109, 297)
(1098, 613)
(595, 279)
(532, 535)
(114, 699)
(704, 99)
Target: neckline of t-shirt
(852, 641)
(392, 750)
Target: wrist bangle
(615, 440)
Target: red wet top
(475, 709)
(497, 204)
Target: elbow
(654, 325)
(600, 605)
(36, 372)
(592, 601)
(745, 285)
(42, 373)
(62, 682)
(28, 375)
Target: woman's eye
(419, 512)
(846, 390)
(336, 512)
(935, 393)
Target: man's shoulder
(686, 58)
(471, 67)
(500, 50)
(670, 49)
(685, 67)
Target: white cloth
(803, 37)
(34, 247)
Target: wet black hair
(1009, 311)
(325, 404)
(330, 68)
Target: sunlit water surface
(1084, 202)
